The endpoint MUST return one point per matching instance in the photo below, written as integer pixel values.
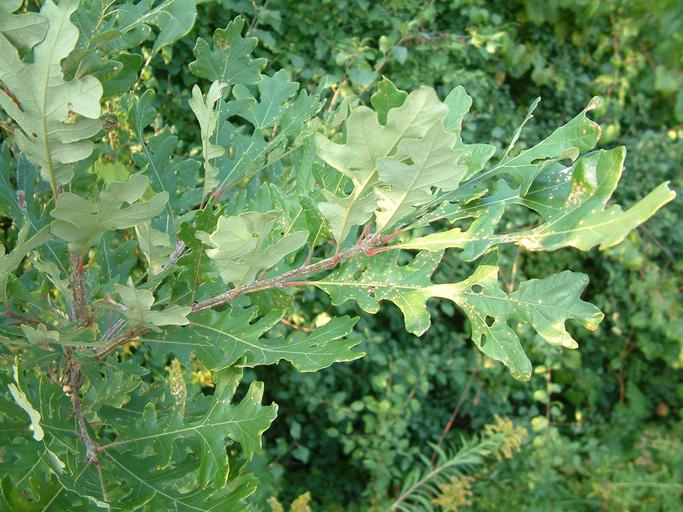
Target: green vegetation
(206, 205)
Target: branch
(79, 289)
(282, 281)
(456, 411)
(289, 278)
(71, 385)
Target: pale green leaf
(207, 115)
(22, 401)
(419, 168)
(367, 141)
(155, 245)
(137, 308)
(44, 104)
(82, 223)
(242, 246)
(23, 30)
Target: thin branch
(456, 411)
(79, 289)
(285, 280)
(71, 384)
(289, 278)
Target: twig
(71, 385)
(122, 339)
(173, 258)
(254, 20)
(659, 244)
(548, 392)
(456, 411)
(297, 327)
(79, 289)
(286, 280)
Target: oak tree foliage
(127, 255)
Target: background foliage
(603, 425)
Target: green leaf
(474, 156)
(177, 178)
(369, 280)
(274, 92)
(385, 98)
(230, 61)
(22, 401)
(242, 246)
(585, 220)
(432, 166)
(574, 216)
(207, 115)
(567, 142)
(43, 104)
(82, 223)
(173, 18)
(367, 141)
(137, 308)
(220, 340)
(209, 422)
(23, 30)
(543, 303)
(10, 261)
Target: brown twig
(456, 410)
(289, 278)
(71, 385)
(286, 280)
(297, 327)
(79, 289)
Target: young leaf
(367, 141)
(230, 61)
(137, 308)
(23, 402)
(242, 246)
(432, 165)
(43, 104)
(82, 223)
(205, 110)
